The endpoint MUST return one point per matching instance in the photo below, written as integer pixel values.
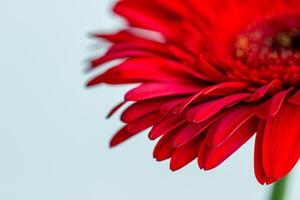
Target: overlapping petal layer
(206, 85)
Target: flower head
(212, 74)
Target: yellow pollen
(239, 53)
(242, 43)
(274, 55)
(284, 40)
(256, 35)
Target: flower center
(272, 49)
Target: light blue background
(53, 135)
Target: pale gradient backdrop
(53, 133)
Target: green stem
(279, 189)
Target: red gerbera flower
(213, 73)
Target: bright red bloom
(213, 73)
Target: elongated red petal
(264, 90)
(223, 129)
(192, 130)
(135, 127)
(258, 153)
(119, 37)
(165, 126)
(172, 105)
(164, 148)
(117, 55)
(205, 111)
(211, 156)
(271, 107)
(121, 136)
(221, 89)
(281, 142)
(140, 15)
(295, 98)
(185, 154)
(144, 122)
(211, 71)
(142, 108)
(140, 70)
(155, 90)
(115, 109)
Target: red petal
(263, 91)
(271, 107)
(258, 160)
(185, 154)
(141, 70)
(190, 131)
(134, 46)
(142, 108)
(211, 156)
(295, 98)
(144, 122)
(121, 136)
(281, 142)
(165, 126)
(142, 15)
(210, 70)
(205, 111)
(170, 106)
(164, 148)
(223, 129)
(121, 36)
(155, 90)
(135, 127)
(116, 55)
(175, 7)
(115, 109)
(221, 89)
